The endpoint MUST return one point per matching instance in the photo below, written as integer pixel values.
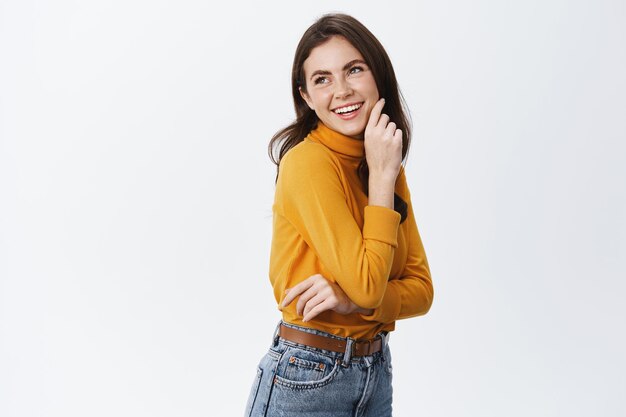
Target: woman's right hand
(383, 144)
(317, 294)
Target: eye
(319, 80)
(356, 69)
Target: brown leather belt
(359, 348)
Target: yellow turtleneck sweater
(322, 224)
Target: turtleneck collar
(338, 142)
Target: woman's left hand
(317, 294)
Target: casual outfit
(322, 224)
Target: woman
(346, 258)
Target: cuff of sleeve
(389, 310)
(381, 223)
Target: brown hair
(327, 26)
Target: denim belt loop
(276, 336)
(385, 342)
(347, 356)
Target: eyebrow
(345, 67)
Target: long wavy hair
(327, 26)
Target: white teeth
(348, 108)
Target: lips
(353, 112)
(348, 108)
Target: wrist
(382, 180)
(381, 192)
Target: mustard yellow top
(322, 223)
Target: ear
(306, 98)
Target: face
(340, 87)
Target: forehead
(331, 55)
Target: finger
(297, 290)
(375, 113)
(319, 297)
(310, 292)
(398, 135)
(384, 119)
(304, 298)
(292, 294)
(391, 127)
(321, 307)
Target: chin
(354, 132)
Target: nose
(342, 88)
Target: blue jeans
(299, 380)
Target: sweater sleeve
(311, 197)
(412, 293)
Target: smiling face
(340, 87)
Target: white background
(136, 193)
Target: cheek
(368, 111)
(321, 100)
(370, 87)
(374, 92)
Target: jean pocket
(254, 391)
(303, 369)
